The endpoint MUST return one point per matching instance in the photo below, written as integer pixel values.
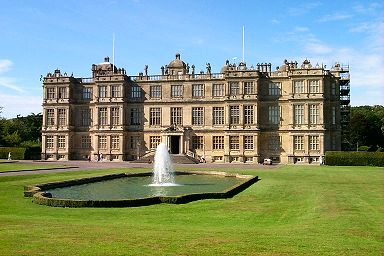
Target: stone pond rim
(40, 195)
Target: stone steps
(176, 159)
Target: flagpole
(243, 45)
(113, 52)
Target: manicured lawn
(293, 210)
(4, 167)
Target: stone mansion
(292, 114)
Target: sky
(37, 37)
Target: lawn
(292, 210)
(15, 166)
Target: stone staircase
(176, 159)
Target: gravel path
(74, 166)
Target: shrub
(33, 153)
(347, 158)
(16, 153)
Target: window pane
(218, 115)
(197, 90)
(176, 116)
(234, 114)
(218, 90)
(198, 116)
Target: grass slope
(293, 210)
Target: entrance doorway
(175, 145)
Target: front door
(175, 144)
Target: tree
(26, 130)
(367, 127)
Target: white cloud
(275, 21)
(300, 29)
(335, 17)
(317, 48)
(10, 83)
(20, 105)
(5, 65)
(303, 8)
(367, 8)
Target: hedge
(349, 158)
(16, 153)
(33, 153)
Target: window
(298, 142)
(155, 116)
(333, 89)
(313, 114)
(218, 115)
(218, 142)
(135, 116)
(63, 93)
(176, 91)
(85, 117)
(102, 91)
(298, 86)
(103, 120)
(274, 143)
(234, 142)
(298, 111)
(217, 158)
(234, 114)
(197, 90)
(116, 93)
(197, 142)
(248, 114)
(135, 92)
(198, 116)
(50, 93)
(50, 117)
(115, 142)
(87, 93)
(176, 116)
(49, 142)
(248, 159)
(273, 115)
(234, 88)
(154, 141)
(115, 116)
(314, 86)
(135, 142)
(274, 88)
(61, 141)
(62, 117)
(314, 143)
(86, 142)
(218, 90)
(248, 88)
(333, 115)
(248, 142)
(102, 142)
(155, 91)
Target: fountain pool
(163, 185)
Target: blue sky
(36, 37)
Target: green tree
(367, 127)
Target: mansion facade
(242, 114)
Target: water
(137, 187)
(163, 173)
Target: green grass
(293, 210)
(6, 167)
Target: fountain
(163, 174)
(163, 185)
